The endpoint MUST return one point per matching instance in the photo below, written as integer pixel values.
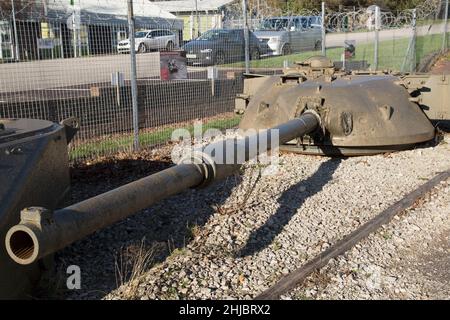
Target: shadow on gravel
(290, 201)
(157, 231)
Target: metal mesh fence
(72, 58)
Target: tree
(299, 5)
(22, 7)
(399, 4)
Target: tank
(34, 171)
(362, 113)
(311, 108)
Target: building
(198, 15)
(64, 29)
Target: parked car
(315, 21)
(148, 40)
(286, 35)
(220, 46)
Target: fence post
(246, 37)
(324, 33)
(16, 36)
(444, 39)
(74, 30)
(413, 43)
(377, 37)
(134, 92)
(197, 18)
(258, 8)
(410, 56)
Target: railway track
(296, 278)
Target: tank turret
(361, 113)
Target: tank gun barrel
(41, 232)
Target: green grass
(427, 22)
(391, 53)
(125, 142)
(429, 44)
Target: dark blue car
(220, 46)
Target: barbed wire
(102, 11)
(364, 19)
(347, 19)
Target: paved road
(48, 74)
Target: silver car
(286, 35)
(148, 40)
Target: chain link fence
(74, 58)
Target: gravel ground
(239, 237)
(407, 259)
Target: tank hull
(34, 171)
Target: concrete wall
(160, 103)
